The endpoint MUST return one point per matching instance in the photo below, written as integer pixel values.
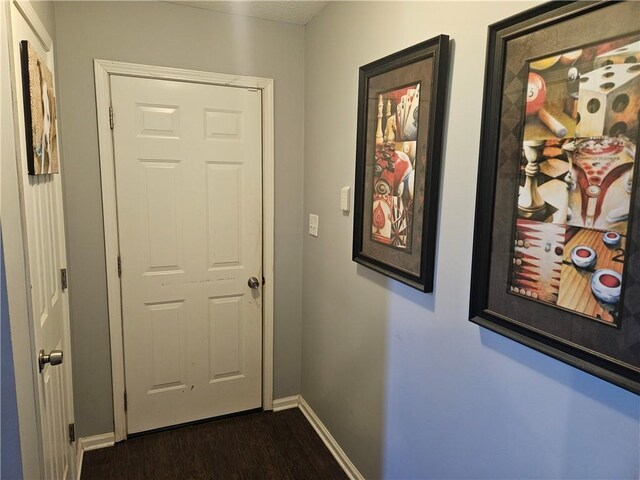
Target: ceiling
(299, 12)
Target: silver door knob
(54, 358)
(253, 282)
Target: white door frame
(103, 69)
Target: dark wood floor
(280, 445)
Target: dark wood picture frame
(609, 350)
(401, 103)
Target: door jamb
(103, 69)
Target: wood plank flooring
(281, 445)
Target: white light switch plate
(313, 224)
(345, 196)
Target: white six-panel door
(189, 201)
(41, 198)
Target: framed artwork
(39, 113)
(401, 102)
(556, 263)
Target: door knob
(253, 282)
(54, 358)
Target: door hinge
(72, 432)
(125, 401)
(119, 266)
(111, 117)
(63, 278)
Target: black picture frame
(607, 349)
(401, 103)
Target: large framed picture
(401, 102)
(556, 263)
(39, 113)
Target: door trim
(103, 69)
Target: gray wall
(404, 382)
(10, 456)
(45, 12)
(169, 35)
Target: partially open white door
(43, 223)
(189, 199)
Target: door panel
(167, 346)
(189, 196)
(159, 182)
(224, 192)
(226, 339)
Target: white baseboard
(286, 403)
(86, 444)
(97, 441)
(341, 457)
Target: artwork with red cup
(583, 256)
(557, 242)
(576, 173)
(585, 253)
(606, 286)
(611, 239)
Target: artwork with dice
(609, 101)
(576, 180)
(628, 54)
(609, 94)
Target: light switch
(313, 224)
(345, 196)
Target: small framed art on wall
(401, 103)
